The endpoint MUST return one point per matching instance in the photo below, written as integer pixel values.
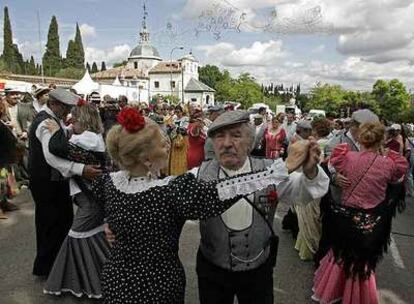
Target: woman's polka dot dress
(147, 218)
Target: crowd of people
(137, 172)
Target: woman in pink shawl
(361, 225)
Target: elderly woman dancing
(360, 226)
(147, 214)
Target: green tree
(392, 98)
(52, 59)
(103, 66)
(359, 100)
(94, 68)
(38, 69)
(172, 99)
(272, 101)
(246, 91)
(119, 64)
(223, 87)
(32, 67)
(210, 75)
(73, 73)
(80, 52)
(75, 54)
(13, 60)
(69, 61)
(326, 97)
(88, 67)
(3, 66)
(407, 116)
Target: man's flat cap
(41, 91)
(228, 119)
(304, 124)
(364, 116)
(64, 96)
(215, 109)
(12, 89)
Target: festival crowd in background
(137, 171)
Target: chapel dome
(145, 51)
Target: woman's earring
(149, 173)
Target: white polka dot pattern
(147, 218)
(144, 266)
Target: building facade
(145, 70)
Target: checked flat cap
(364, 116)
(64, 96)
(228, 119)
(304, 124)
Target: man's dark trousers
(220, 286)
(53, 219)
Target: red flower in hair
(272, 196)
(82, 102)
(131, 119)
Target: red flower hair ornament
(82, 102)
(272, 196)
(131, 119)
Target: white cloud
(258, 54)
(319, 49)
(87, 30)
(353, 72)
(193, 8)
(380, 31)
(117, 54)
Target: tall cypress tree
(32, 67)
(7, 39)
(94, 68)
(103, 66)
(52, 59)
(88, 67)
(70, 60)
(80, 52)
(11, 55)
(75, 54)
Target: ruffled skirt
(331, 285)
(77, 268)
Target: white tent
(86, 85)
(116, 82)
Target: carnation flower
(131, 119)
(82, 102)
(272, 195)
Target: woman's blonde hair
(127, 149)
(371, 134)
(88, 117)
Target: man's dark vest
(38, 167)
(237, 250)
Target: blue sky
(351, 43)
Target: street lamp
(171, 67)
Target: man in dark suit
(49, 182)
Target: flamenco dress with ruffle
(360, 226)
(78, 265)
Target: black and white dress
(78, 265)
(147, 217)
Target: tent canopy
(116, 82)
(86, 85)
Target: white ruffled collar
(130, 185)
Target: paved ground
(293, 278)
